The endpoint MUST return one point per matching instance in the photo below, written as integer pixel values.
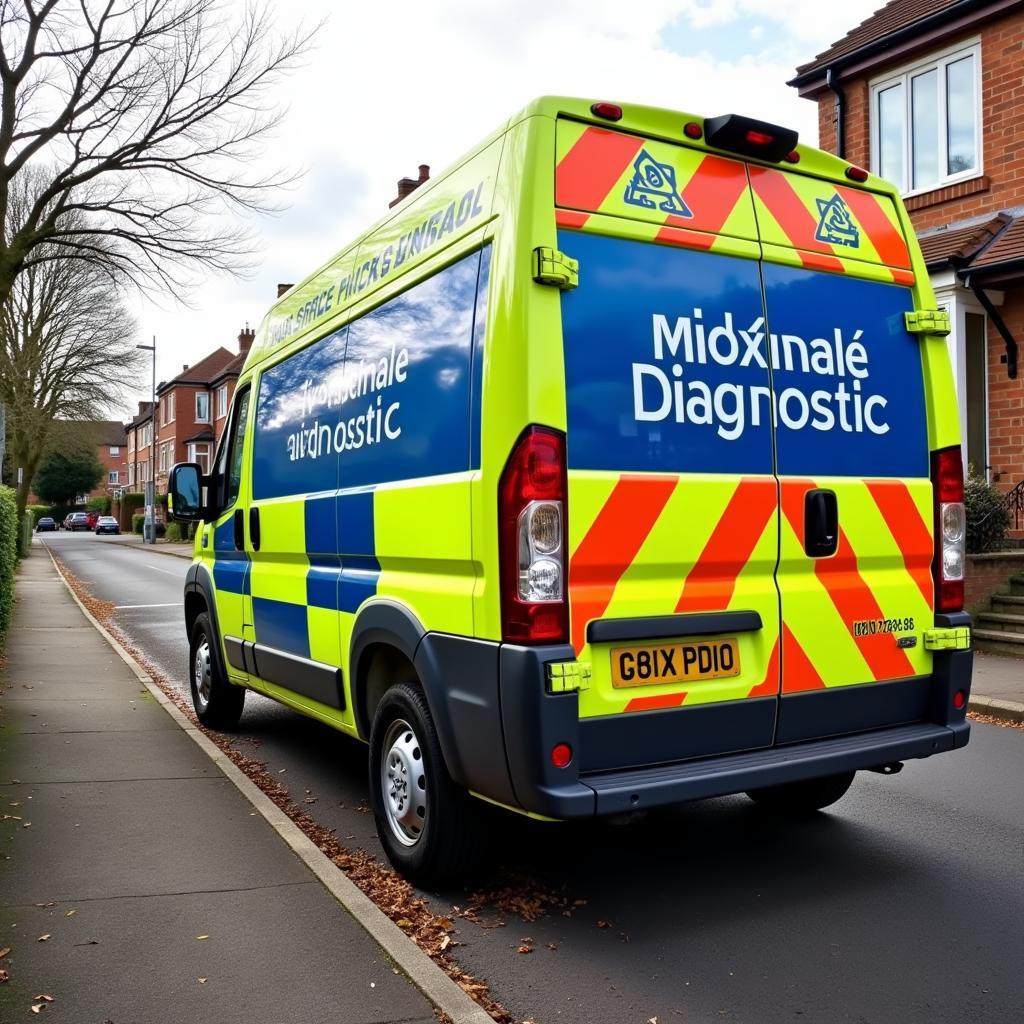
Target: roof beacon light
(792, 157)
(749, 137)
(609, 111)
(856, 174)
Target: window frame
(115, 449)
(206, 395)
(902, 76)
(112, 476)
(222, 401)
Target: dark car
(107, 524)
(77, 521)
(45, 523)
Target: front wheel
(427, 825)
(804, 797)
(217, 702)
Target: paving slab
(275, 954)
(999, 677)
(94, 714)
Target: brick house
(930, 94)
(191, 413)
(113, 456)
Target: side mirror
(185, 493)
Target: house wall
(1000, 187)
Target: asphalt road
(904, 903)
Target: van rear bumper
(630, 762)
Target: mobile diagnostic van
(618, 466)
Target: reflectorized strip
(611, 544)
(848, 591)
(597, 172)
(798, 671)
(794, 211)
(910, 530)
(710, 583)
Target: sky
(391, 85)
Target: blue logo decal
(653, 186)
(835, 223)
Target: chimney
(282, 288)
(184, 367)
(406, 186)
(143, 408)
(245, 338)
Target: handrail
(1014, 502)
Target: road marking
(120, 607)
(158, 569)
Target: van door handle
(239, 524)
(254, 527)
(821, 523)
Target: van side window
(394, 394)
(229, 455)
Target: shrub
(173, 533)
(8, 557)
(38, 511)
(28, 525)
(988, 518)
(138, 521)
(100, 504)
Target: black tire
(217, 702)
(804, 797)
(446, 845)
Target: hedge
(988, 517)
(8, 557)
(100, 504)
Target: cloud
(392, 85)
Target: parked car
(77, 521)
(107, 524)
(93, 518)
(45, 524)
(65, 523)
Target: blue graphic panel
(281, 625)
(230, 566)
(664, 360)
(848, 377)
(360, 569)
(321, 523)
(388, 397)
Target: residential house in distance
(113, 456)
(930, 95)
(191, 413)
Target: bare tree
(149, 114)
(66, 349)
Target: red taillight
(756, 138)
(856, 174)
(692, 130)
(950, 529)
(561, 755)
(959, 700)
(609, 111)
(531, 524)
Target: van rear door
(673, 505)
(852, 457)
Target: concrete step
(1003, 621)
(997, 641)
(1017, 585)
(1011, 604)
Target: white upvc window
(222, 401)
(200, 452)
(202, 407)
(112, 477)
(167, 404)
(115, 449)
(165, 457)
(131, 473)
(926, 121)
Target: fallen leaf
(43, 938)
(202, 936)
(26, 824)
(404, 922)
(202, 981)
(45, 998)
(4, 951)
(11, 817)
(652, 1020)
(38, 1007)
(604, 924)
(71, 913)
(3, 977)
(446, 942)
(552, 946)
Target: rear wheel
(217, 702)
(803, 797)
(427, 825)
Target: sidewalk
(138, 884)
(182, 549)
(998, 686)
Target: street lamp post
(151, 483)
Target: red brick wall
(1006, 399)
(110, 462)
(1002, 104)
(987, 575)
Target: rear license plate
(688, 662)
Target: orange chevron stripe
(909, 530)
(586, 174)
(885, 237)
(711, 194)
(798, 671)
(663, 700)
(709, 585)
(610, 545)
(769, 686)
(684, 238)
(570, 218)
(847, 589)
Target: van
(618, 466)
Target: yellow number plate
(652, 665)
